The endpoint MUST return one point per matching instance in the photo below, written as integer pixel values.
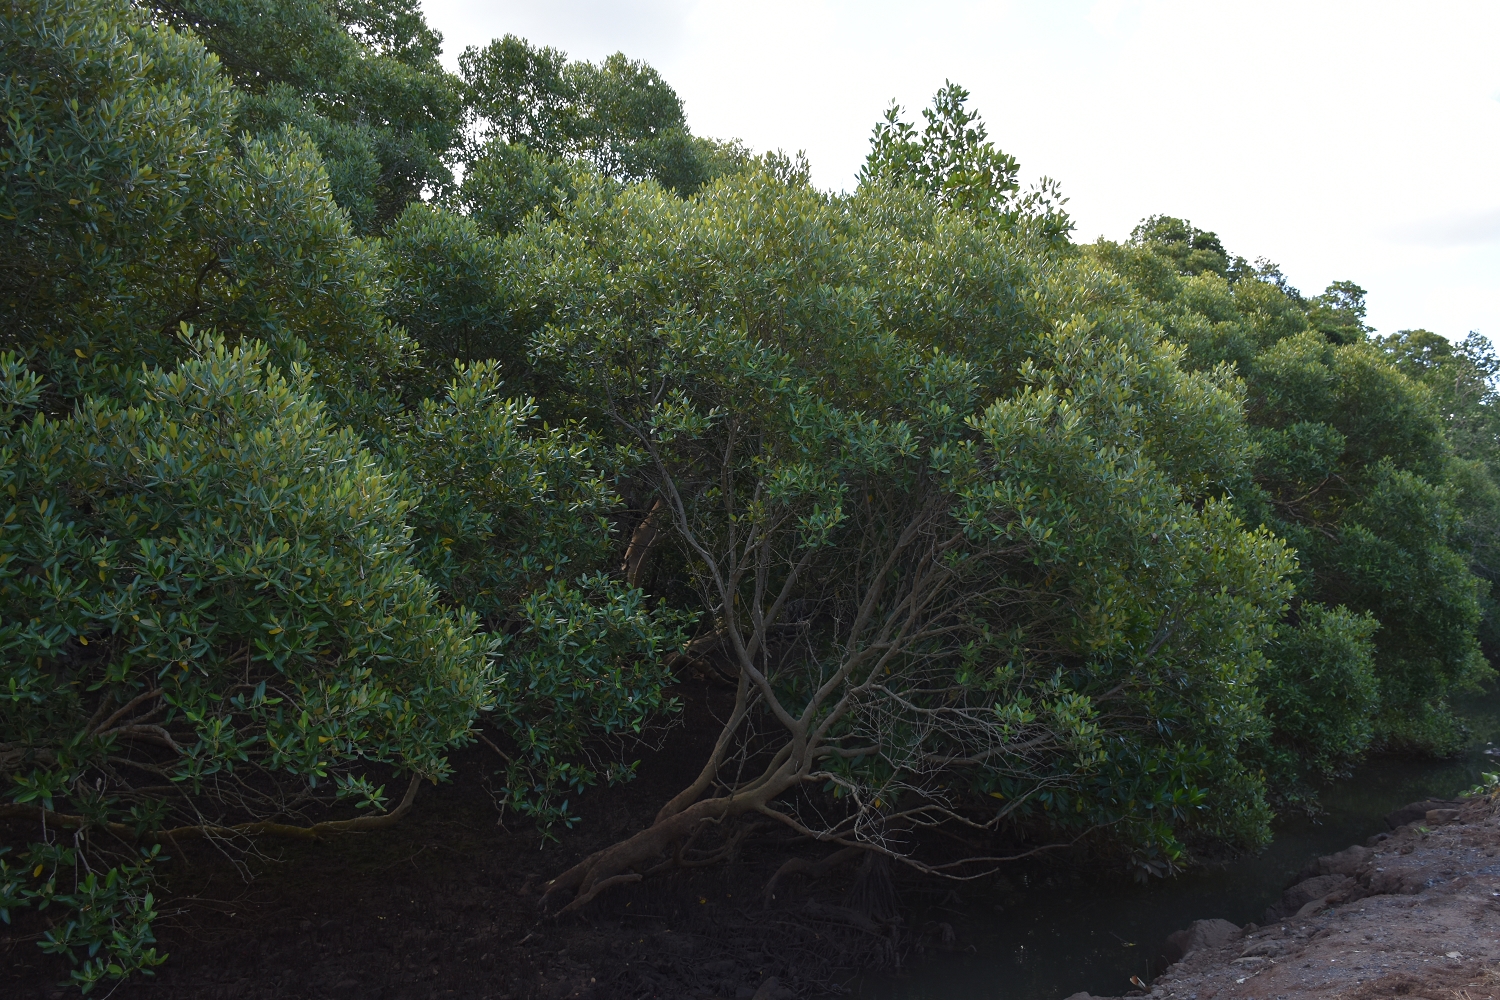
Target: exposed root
(599, 887)
(812, 869)
(316, 831)
(604, 868)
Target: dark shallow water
(1056, 933)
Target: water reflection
(1052, 934)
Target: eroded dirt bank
(1416, 913)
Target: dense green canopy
(1356, 467)
(316, 464)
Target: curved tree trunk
(618, 864)
(641, 541)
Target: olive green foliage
(947, 498)
(543, 127)
(537, 112)
(225, 487)
(506, 182)
(1339, 313)
(589, 660)
(210, 592)
(521, 93)
(1462, 379)
(360, 77)
(104, 928)
(1356, 469)
(255, 573)
(1187, 249)
(315, 465)
(1353, 475)
(1321, 695)
(504, 506)
(953, 159)
(512, 522)
(141, 210)
(448, 290)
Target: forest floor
(445, 904)
(1416, 914)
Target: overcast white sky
(1355, 140)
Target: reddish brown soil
(1414, 915)
(445, 905)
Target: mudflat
(1414, 913)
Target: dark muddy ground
(445, 905)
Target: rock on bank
(1416, 914)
